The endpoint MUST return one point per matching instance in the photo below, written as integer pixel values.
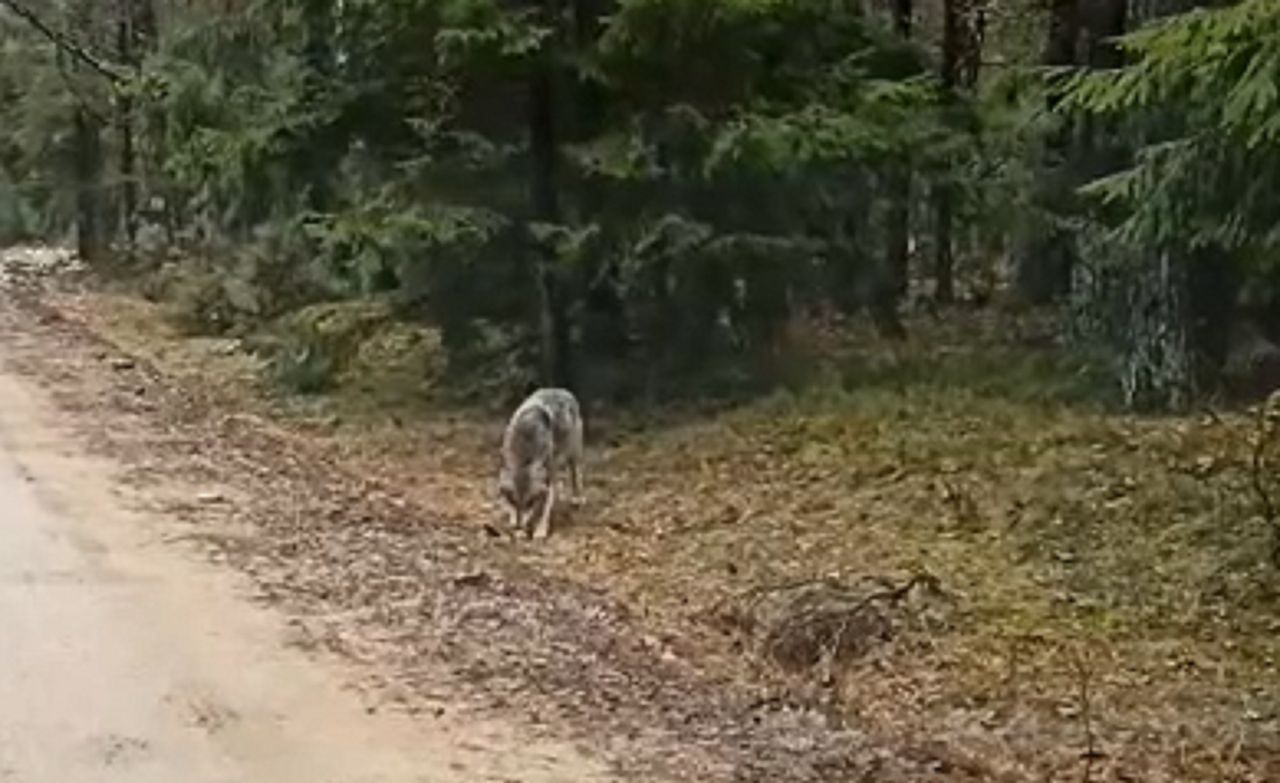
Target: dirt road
(123, 658)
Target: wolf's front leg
(575, 478)
(543, 528)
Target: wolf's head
(523, 487)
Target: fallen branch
(821, 621)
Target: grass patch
(1019, 376)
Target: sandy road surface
(122, 659)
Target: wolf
(544, 433)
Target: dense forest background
(640, 198)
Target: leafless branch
(62, 41)
(891, 592)
(820, 622)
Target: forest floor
(940, 563)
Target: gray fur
(544, 433)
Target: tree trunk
(1171, 349)
(156, 200)
(1105, 21)
(944, 259)
(944, 253)
(903, 16)
(604, 327)
(1081, 32)
(1167, 310)
(1044, 260)
(320, 153)
(1158, 372)
(87, 157)
(896, 275)
(87, 139)
(1214, 291)
(133, 18)
(893, 275)
(554, 331)
(963, 28)
(1064, 35)
(128, 171)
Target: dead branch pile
(825, 622)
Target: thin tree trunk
(898, 244)
(1064, 33)
(128, 172)
(87, 139)
(1044, 261)
(1106, 22)
(136, 36)
(903, 16)
(963, 23)
(604, 322)
(126, 51)
(554, 333)
(944, 253)
(319, 153)
(146, 39)
(86, 129)
(893, 276)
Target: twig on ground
(1084, 695)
